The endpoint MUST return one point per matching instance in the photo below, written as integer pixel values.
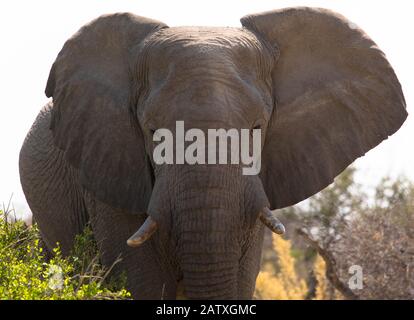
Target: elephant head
(317, 86)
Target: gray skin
(318, 87)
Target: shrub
(26, 273)
(285, 283)
(349, 228)
(280, 280)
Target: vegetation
(27, 273)
(340, 228)
(284, 282)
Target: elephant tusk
(270, 221)
(143, 233)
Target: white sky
(33, 32)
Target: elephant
(317, 87)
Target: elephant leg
(145, 267)
(250, 263)
(51, 187)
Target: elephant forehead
(205, 42)
(204, 66)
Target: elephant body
(62, 207)
(316, 86)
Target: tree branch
(331, 271)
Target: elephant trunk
(203, 215)
(208, 215)
(208, 251)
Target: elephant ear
(90, 82)
(336, 97)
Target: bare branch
(331, 270)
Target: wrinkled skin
(321, 92)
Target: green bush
(26, 273)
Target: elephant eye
(255, 128)
(152, 135)
(151, 129)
